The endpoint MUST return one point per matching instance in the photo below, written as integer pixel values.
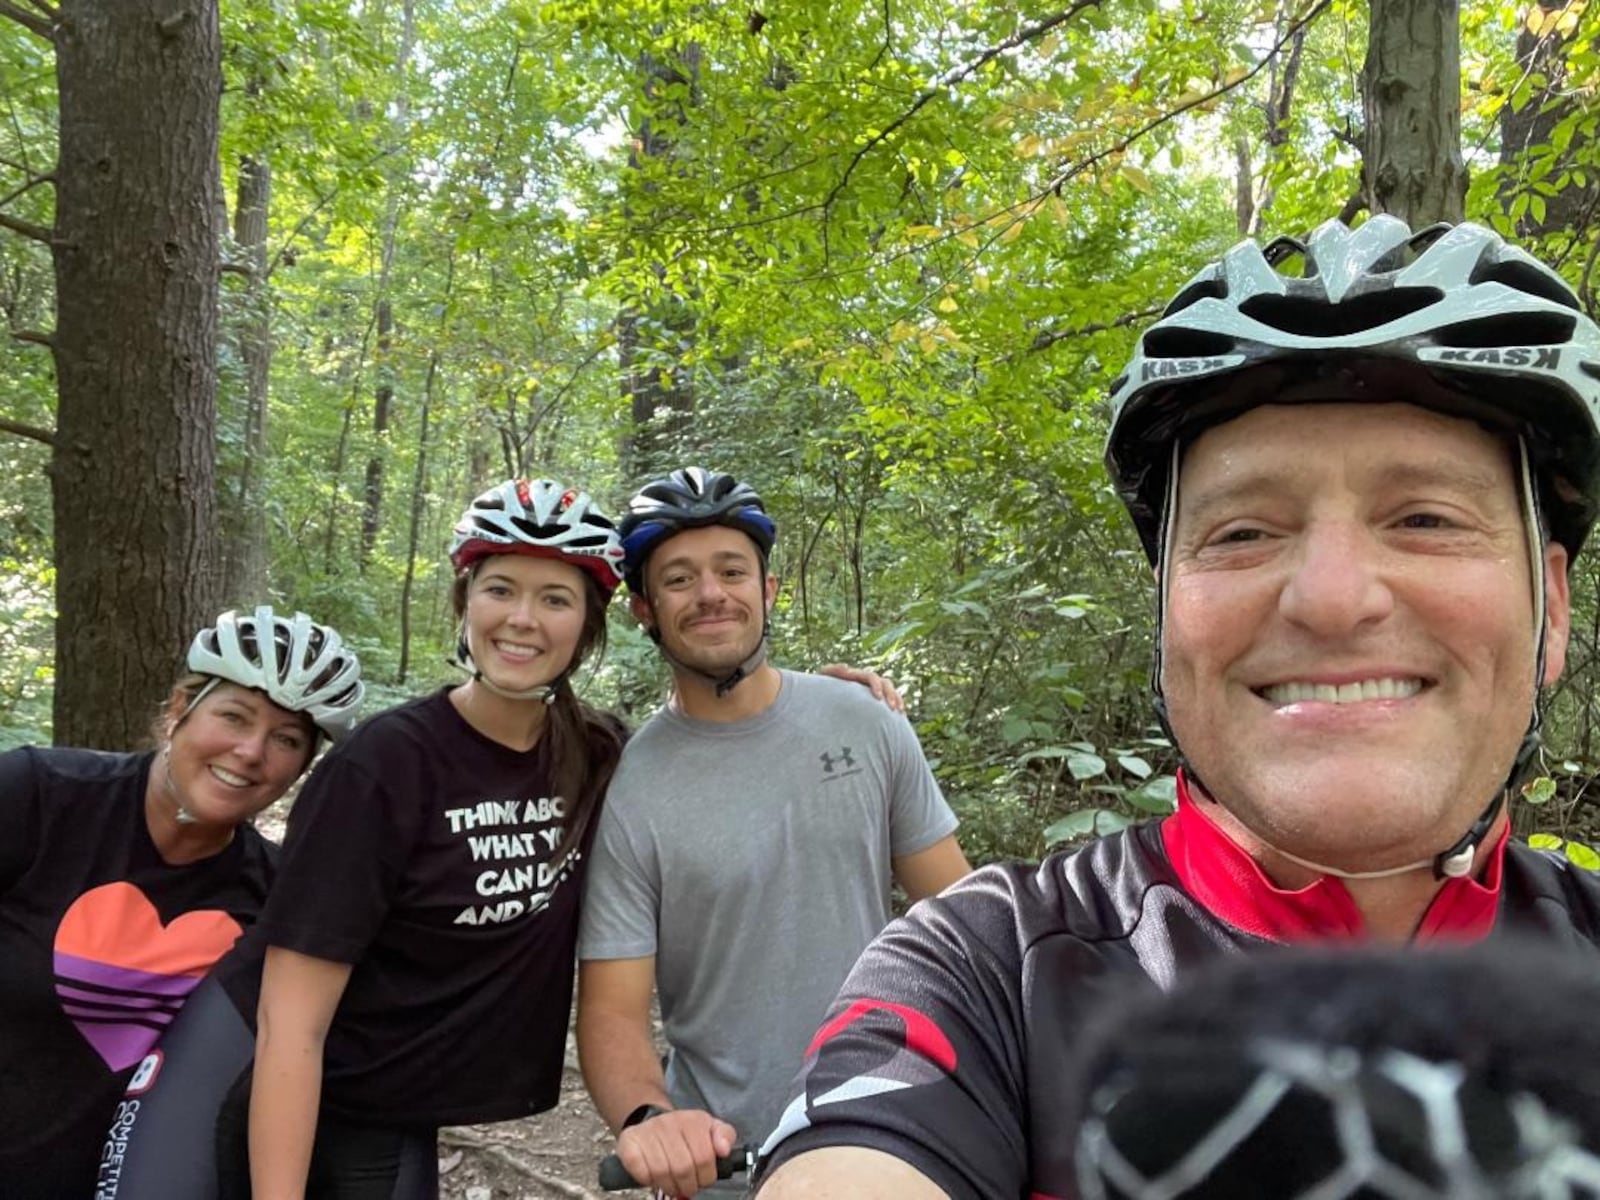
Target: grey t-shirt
(752, 859)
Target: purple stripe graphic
(93, 974)
(92, 992)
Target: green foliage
(892, 255)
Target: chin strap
(181, 814)
(463, 661)
(722, 683)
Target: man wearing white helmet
(1361, 466)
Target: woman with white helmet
(419, 949)
(125, 877)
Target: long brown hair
(585, 743)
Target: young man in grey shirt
(744, 856)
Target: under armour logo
(828, 760)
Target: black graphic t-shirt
(425, 854)
(953, 1042)
(101, 941)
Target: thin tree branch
(322, 203)
(1025, 206)
(1117, 147)
(15, 165)
(26, 187)
(1049, 337)
(1353, 206)
(26, 228)
(28, 431)
(1585, 290)
(44, 28)
(48, 10)
(948, 80)
(34, 336)
(888, 35)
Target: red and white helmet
(300, 665)
(542, 518)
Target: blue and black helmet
(689, 499)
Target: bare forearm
(620, 1065)
(284, 1100)
(849, 1173)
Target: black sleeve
(348, 841)
(19, 815)
(922, 1054)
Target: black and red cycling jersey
(952, 1043)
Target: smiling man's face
(1349, 634)
(707, 597)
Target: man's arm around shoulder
(929, 871)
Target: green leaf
(1580, 855)
(1540, 790)
(1086, 766)
(1016, 729)
(1159, 796)
(1134, 765)
(1091, 822)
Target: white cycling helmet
(543, 518)
(1451, 317)
(300, 665)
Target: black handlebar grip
(614, 1176)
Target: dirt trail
(554, 1154)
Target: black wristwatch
(642, 1114)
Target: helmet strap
(463, 661)
(721, 684)
(180, 814)
(205, 690)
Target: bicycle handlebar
(614, 1176)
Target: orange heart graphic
(122, 975)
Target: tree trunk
(1411, 93)
(654, 338)
(136, 263)
(244, 552)
(382, 401)
(419, 483)
(383, 395)
(1573, 207)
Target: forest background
(286, 283)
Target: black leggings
(181, 1131)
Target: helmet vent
(1287, 256)
(1204, 289)
(1523, 329)
(1186, 343)
(1359, 313)
(541, 533)
(1525, 277)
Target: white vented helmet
(543, 518)
(1501, 334)
(300, 665)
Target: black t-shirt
(952, 1043)
(425, 854)
(101, 941)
